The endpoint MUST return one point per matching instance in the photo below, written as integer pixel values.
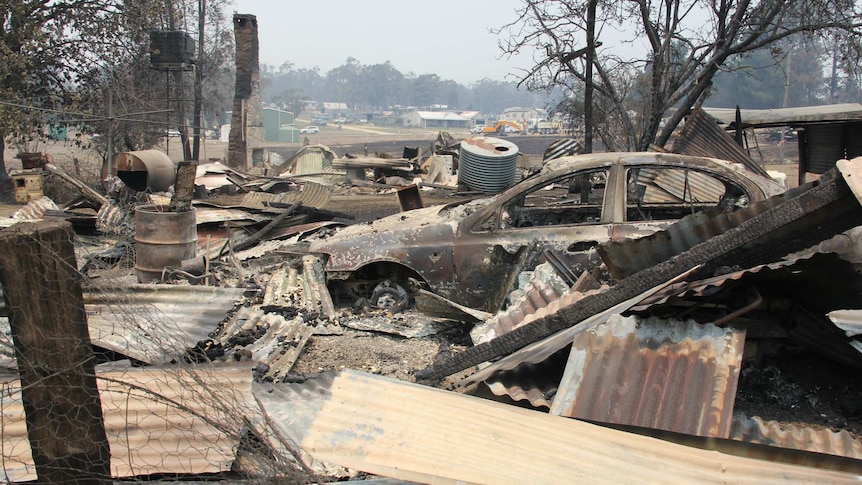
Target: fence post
(42, 289)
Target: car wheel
(390, 296)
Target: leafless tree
(682, 44)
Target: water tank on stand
(487, 164)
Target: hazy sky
(449, 38)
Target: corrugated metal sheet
(823, 146)
(763, 118)
(630, 256)
(210, 215)
(660, 374)
(701, 136)
(407, 431)
(544, 287)
(277, 342)
(782, 435)
(309, 194)
(541, 350)
(156, 323)
(309, 159)
(157, 420)
(677, 186)
(534, 383)
(701, 287)
(35, 209)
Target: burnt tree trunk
(63, 410)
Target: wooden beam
(43, 295)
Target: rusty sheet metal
(663, 186)
(156, 323)
(157, 420)
(541, 350)
(630, 256)
(115, 220)
(701, 287)
(406, 431)
(662, 374)
(310, 159)
(278, 342)
(543, 287)
(782, 435)
(310, 194)
(701, 136)
(535, 383)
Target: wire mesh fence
(136, 406)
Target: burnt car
(470, 252)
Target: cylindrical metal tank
(143, 170)
(162, 239)
(487, 164)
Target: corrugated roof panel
(412, 432)
(630, 256)
(659, 374)
(701, 136)
(543, 287)
(783, 435)
(542, 349)
(789, 116)
(157, 420)
(276, 341)
(156, 323)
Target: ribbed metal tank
(162, 239)
(487, 164)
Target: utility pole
(588, 88)
(199, 79)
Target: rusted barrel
(162, 239)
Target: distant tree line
(378, 87)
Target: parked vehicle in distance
(310, 129)
(466, 251)
(477, 129)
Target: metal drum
(487, 164)
(162, 239)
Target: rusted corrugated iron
(701, 287)
(411, 432)
(627, 257)
(156, 323)
(545, 348)
(310, 159)
(544, 287)
(660, 374)
(783, 435)
(701, 136)
(175, 420)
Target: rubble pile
(706, 320)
